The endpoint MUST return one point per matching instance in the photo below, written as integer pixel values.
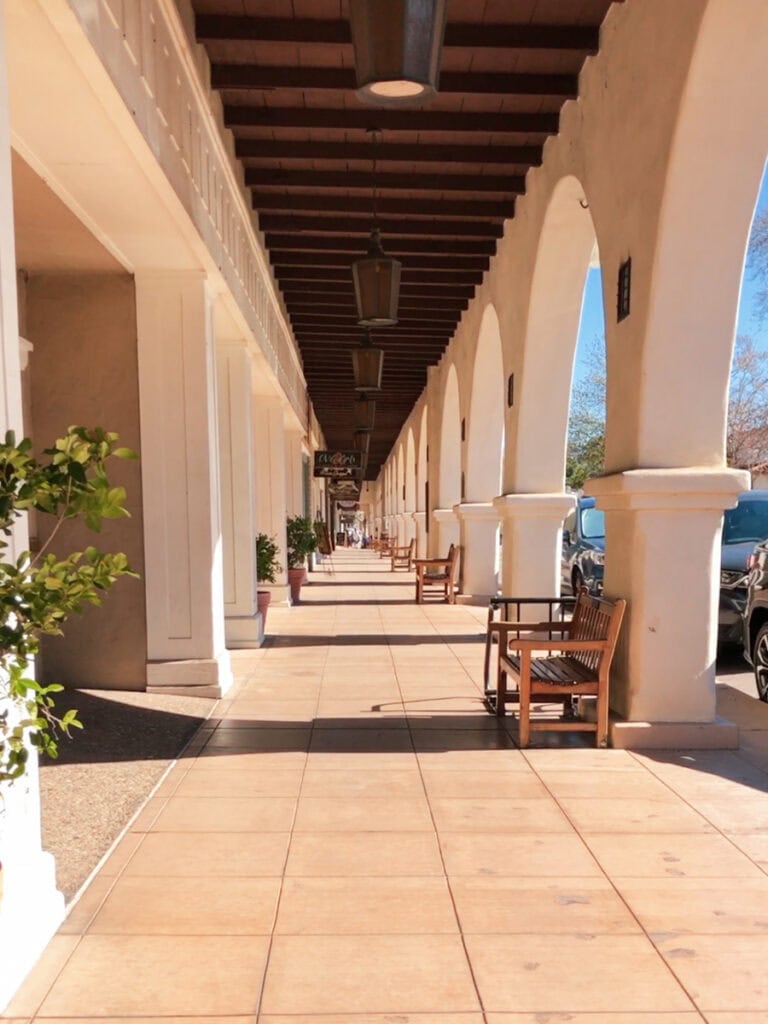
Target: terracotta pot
(263, 597)
(295, 579)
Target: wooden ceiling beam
(505, 184)
(334, 314)
(278, 149)
(477, 83)
(299, 224)
(421, 120)
(436, 289)
(342, 261)
(409, 276)
(462, 35)
(357, 245)
(290, 203)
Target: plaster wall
(84, 370)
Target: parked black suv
(755, 622)
(583, 558)
(743, 527)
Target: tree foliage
(586, 428)
(757, 264)
(38, 592)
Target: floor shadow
(731, 661)
(373, 640)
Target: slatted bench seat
(576, 664)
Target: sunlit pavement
(353, 839)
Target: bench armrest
(557, 645)
(502, 625)
(431, 561)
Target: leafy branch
(38, 592)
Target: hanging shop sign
(338, 465)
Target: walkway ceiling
(448, 172)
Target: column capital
(482, 510)
(444, 515)
(419, 517)
(690, 488)
(535, 506)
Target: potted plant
(301, 541)
(267, 568)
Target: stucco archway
(486, 413)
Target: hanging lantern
(367, 365)
(377, 285)
(365, 410)
(398, 46)
(362, 440)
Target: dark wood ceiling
(448, 172)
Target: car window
(748, 522)
(593, 523)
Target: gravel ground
(105, 773)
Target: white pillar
(400, 527)
(420, 532)
(31, 908)
(532, 542)
(271, 502)
(243, 625)
(663, 555)
(447, 530)
(180, 483)
(294, 478)
(479, 527)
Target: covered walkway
(351, 838)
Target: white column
(420, 532)
(243, 625)
(447, 530)
(294, 472)
(270, 460)
(180, 483)
(663, 555)
(479, 527)
(400, 527)
(31, 908)
(532, 542)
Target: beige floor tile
(348, 854)
(483, 784)
(585, 759)
(362, 814)
(745, 813)
(264, 739)
(498, 815)
(222, 759)
(267, 782)
(598, 1018)
(703, 906)
(397, 974)
(134, 975)
(761, 1017)
(52, 961)
(327, 739)
(376, 712)
(720, 975)
(633, 816)
(542, 906)
(213, 854)
(248, 1019)
(226, 814)
(366, 906)
(188, 906)
(593, 973)
(377, 1018)
(343, 784)
(672, 856)
(601, 785)
(754, 845)
(81, 913)
(505, 855)
(121, 854)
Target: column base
(718, 735)
(480, 600)
(31, 910)
(244, 631)
(195, 677)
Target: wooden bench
(402, 557)
(576, 664)
(438, 575)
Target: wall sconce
(398, 46)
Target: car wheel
(760, 661)
(577, 581)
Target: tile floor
(352, 840)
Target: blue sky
(592, 323)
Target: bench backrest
(595, 618)
(453, 559)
